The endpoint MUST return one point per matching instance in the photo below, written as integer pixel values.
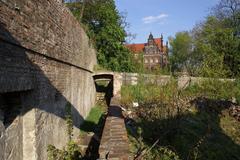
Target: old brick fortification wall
(45, 67)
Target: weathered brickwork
(46, 64)
(114, 144)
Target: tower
(161, 43)
(150, 39)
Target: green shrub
(72, 151)
(237, 90)
(192, 132)
(148, 92)
(163, 153)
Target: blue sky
(163, 16)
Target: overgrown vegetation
(186, 124)
(91, 122)
(192, 123)
(72, 150)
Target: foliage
(72, 150)
(202, 129)
(69, 121)
(181, 48)
(99, 68)
(70, 153)
(138, 63)
(237, 90)
(149, 92)
(54, 153)
(164, 153)
(105, 26)
(219, 49)
(224, 89)
(212, 48)
(93, 119)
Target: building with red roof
(155, 53)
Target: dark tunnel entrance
(10, 107)
(11, 123)
(104, 85)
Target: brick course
(46, 56)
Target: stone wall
(46, 64)
(134, 78)
(185, 81)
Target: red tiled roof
(158, 41)
(137, 48)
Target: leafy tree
(212, 48)
(218, 47)
(106, 28)
(229, 11)
(181, 49)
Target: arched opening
(104, 86)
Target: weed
(191, 124)
(72, 151)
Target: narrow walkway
(114, 143)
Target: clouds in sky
(155, 19)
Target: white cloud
(153, 19)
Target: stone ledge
(114, 144)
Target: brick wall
(46, 59)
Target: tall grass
(184, 130)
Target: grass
(146, 92)
(196, 133)
(100, 68)
(93, 119)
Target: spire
(162, 43)
(150, 39)
(150, 36)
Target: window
(146, 61)
(151, 60)
(156, 60)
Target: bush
(190, 121)
(142, 93)
(237, 90)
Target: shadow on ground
(208, 133)
(92, 151)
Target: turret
(150, 39)
(161, 42)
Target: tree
(105, 26)
(212, 48)
(181, 49)
(218, 47)
(228, 10)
